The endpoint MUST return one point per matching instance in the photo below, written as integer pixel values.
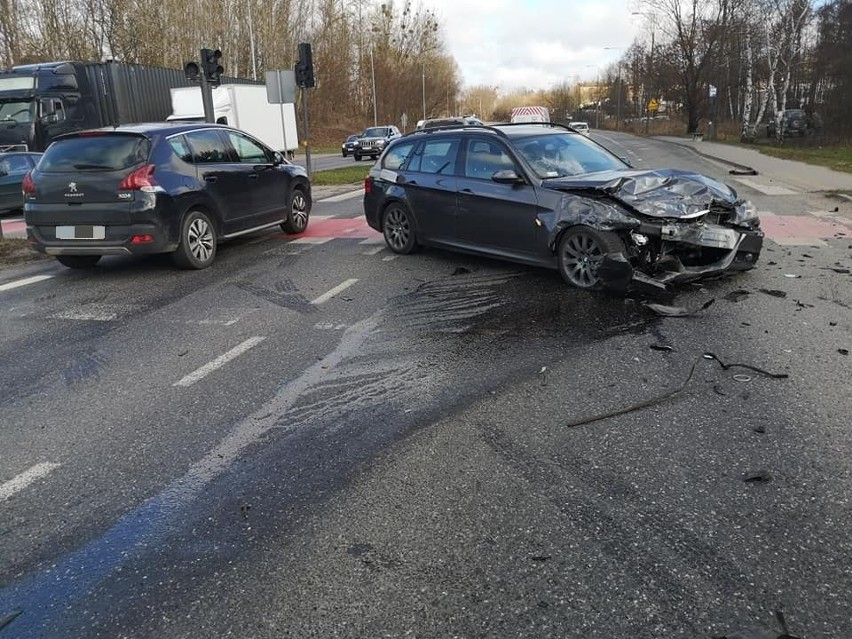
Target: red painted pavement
(800, 226)
(13, 226)
(338, 227)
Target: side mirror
(278, 159)
(507, 176)
(50, 118)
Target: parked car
(545, 195)
(580, 127)
(159, 188)
(793, 122)
(373, 141)
(348, 146)
(13, 167)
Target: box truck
(41, 101)
(242, 107)
(530, 114)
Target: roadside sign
(653, 105)
(712, 91)
(404, 120)
(281, 86)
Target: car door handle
(210, 178)
(252, 176)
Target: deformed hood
(665, 193)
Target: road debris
(773, 292)
(677, 311)
(742, 378)
(736, 296)
(792, 275)
(671, 394)
(757, 477)
(843, 351)
(662, 347)
(761, 430)
(461, 270)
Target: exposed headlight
(639, 239)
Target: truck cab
(39, 102)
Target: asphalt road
(316, 438)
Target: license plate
(80, 232)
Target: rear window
(95, 153)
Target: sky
(535, 44)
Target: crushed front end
(675, 227)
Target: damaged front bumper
(675, 253)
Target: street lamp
(620, 87)
(423, 69)
(373, 73)
(597, 96)
(251, 44)
(653, 19)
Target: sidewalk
(801, 176)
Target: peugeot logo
(72, 187)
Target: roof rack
(550, 124)
(454, 127)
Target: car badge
(72, 187)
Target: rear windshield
(376, 133)
(95, 153)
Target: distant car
(159, 188)
(793, 122)
(348, 146)
(580, 127)
(438, 122)
(13, 167)
(545, 195)
(373, 141)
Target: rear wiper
(93, 167)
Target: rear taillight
(141, 179)
(368, 185)
(28, 186)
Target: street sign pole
(307, 128)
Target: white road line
(375, 250)
(373, 240)
(219, 362)
(343, 196)
(310, 240)
(8, 286)
(25, 479)
(337, 289)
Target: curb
(739, 169)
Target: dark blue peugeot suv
(159, 188)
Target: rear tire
(78, 261)
(581, 250)
(197, 248)
(298, 212)
(398, 229)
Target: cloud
(534, 43)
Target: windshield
(562, 154)
(20, 112)
(95, 153)
(378, 132)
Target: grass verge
(345, 175)
(17, 251)
(838, 158)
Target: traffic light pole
(307, 131)
(207, 100)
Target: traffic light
(191, 71)
(305, 67)
(210, 63)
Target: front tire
(78, 261)
(197, 248)
(357, 157)
(298, 212)
(581, 250)
(398, 229)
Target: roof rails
(550, 124)
(455, 127)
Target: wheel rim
(299, 212)
(581, 257)
(397, 228)
(199, 237)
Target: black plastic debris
(677, 311)
(757, 477)
(843, 351)
(736, 296)
(832, 323)
(662, 347)
(772, 263)
(540, 557)
(761, 430)
(743, 171)
(842, 271)
(773, 292)
(803, 304)
(461, 270)
(808, 256)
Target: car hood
(664, 193)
